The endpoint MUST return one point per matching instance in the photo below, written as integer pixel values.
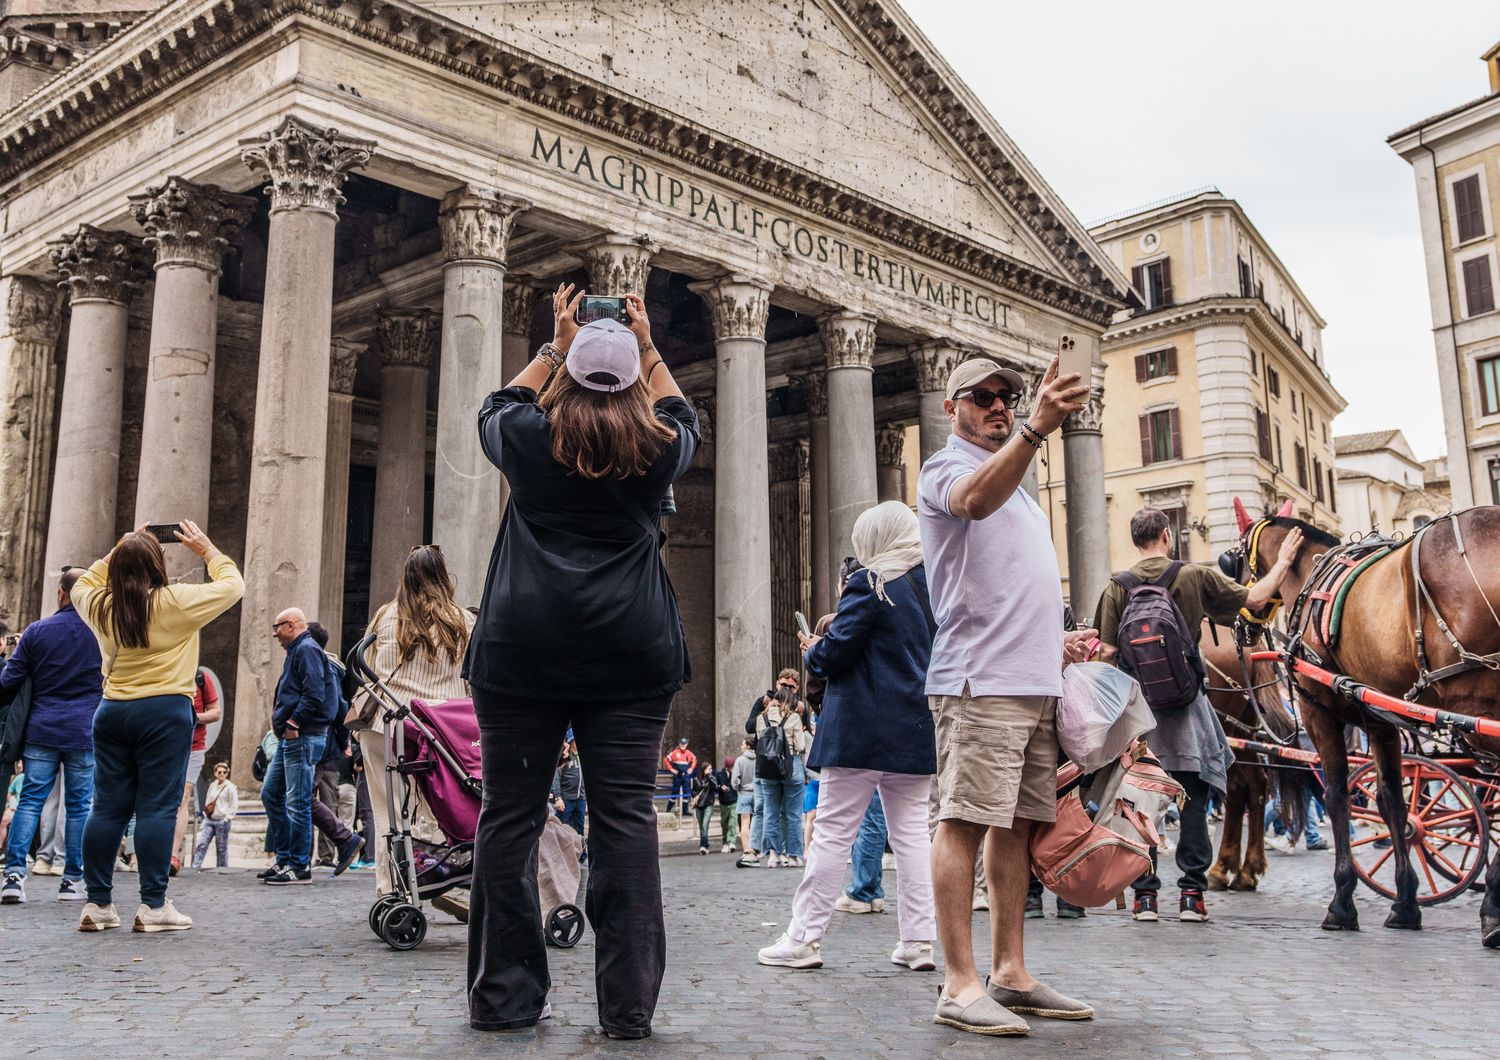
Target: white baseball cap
(604, 356)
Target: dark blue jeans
(869, 848)
(42, 766)
(287, 795)
(572, 814)
(140, 765)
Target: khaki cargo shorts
(997, 758)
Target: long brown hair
(137, 570)
(601, 435)
(427, 615)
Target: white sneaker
(784, 953)
(166, 918)
(57, 868)
(981, 902)
(727, 848)
(794, 861)
(1282, 843)
(98, 917)
(888, 862)
(914, 955)
(41, 867)
(772, 860)
(845, 904)
(14, 891)
(71, 891)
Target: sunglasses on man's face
(985, 398)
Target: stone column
(788, 464)
(1088, 515)
(740, 306)
(404, 338)
(824, 569)
(283, 565)
(342, 365)
(933, 362)
(476, 225)
(28, 381)
(890, 463)
(101, 272)
(849, 342)
(189, 225)
(518, 311)
(617, 265)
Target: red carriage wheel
(1446, 828)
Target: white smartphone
(1075, 355)
(802, 623)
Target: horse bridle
(1249, 628)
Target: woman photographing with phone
(579, 624)
(143, 729)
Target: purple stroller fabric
(453, 723)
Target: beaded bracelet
(1031, 436)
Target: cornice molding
(163, 50)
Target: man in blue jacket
(306, 701)
(61, 658)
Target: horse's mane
(1310, 532)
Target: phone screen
(594, 308)
(166, 533)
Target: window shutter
(1479, 291)
(1468, 209)
(1137, 280)
(1174, 424)
(1171, 360)
(1146, 439)
(1141, 370)
(1166, 281)
(1333, 497)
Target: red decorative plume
(1241, 516)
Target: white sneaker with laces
(771, 860)
(1282, 843)
(914, 955)
(41, 867)
(98, 917)
(845, 904)
(14, 891)
(727, 848)
(167, 918)
(784, 953)
(70, 891)
(981, 902)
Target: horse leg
(1328, 736)
(1255, 844)
(1229, 841)
(1386, 749)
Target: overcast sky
(1285, 107)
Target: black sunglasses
(985, 398)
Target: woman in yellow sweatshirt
(143, 729)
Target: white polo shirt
(996, 590)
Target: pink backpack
(1087, 861)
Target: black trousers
(1195, 849)
(619, 744)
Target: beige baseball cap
(971, 373)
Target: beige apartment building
(1383, 486)
(1215, 387)
(1455, 157)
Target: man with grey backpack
(1150, 618)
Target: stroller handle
(355, 660)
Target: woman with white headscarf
(875, 734)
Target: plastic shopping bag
(1102, 711)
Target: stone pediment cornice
(185, 37)
(1251, 313)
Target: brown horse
(1378, 647)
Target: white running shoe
(772, 860)
(71, 891)
(14, 891)
(914, 955)
(981, 901)
(167, 918)
(784, 953)
(727, 848)
(845, 904)
(794, 862)
(98, 917)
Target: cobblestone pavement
(295, 972)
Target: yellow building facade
(1455, 158)
(1215, 387)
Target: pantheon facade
(262, 259)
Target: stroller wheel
(377, 910)
(564, 926)
(403, 926)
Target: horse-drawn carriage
(1372, 618)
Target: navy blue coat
(61, 656)
(874, 658)
(308, 689)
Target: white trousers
(843, 797)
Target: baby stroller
(432, 750)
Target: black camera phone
(166, 533)
(599, 307)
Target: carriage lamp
(1199, 526)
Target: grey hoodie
(743, 777)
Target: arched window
(1419, 521)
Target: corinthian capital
(98, 264)
(190, 224)
(814, 384)
(518, 300)
(738, 304)
(934, 362)
(848, 339)
(305, 164)
(890, 446)
(406, 337)
(476, 224)
(1090, 418)
(32, 310)
(343, 362)
(617, 265)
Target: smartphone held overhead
(598, 307)
(1075, 356)
(166, 533)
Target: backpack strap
(1165, 579)
(1125, 580)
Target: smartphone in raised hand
(166, 533)
(802, 623)
(1075, 355)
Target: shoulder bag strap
(632, 509)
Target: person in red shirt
(207, 707)
(680, 763)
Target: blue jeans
(42, 767)
(287, 796)
(783, 811)
(758, 817)
(1310, 832)
(572, 814)
(140, 766)
(869, 848)
(682, 788)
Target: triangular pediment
(849, 91)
